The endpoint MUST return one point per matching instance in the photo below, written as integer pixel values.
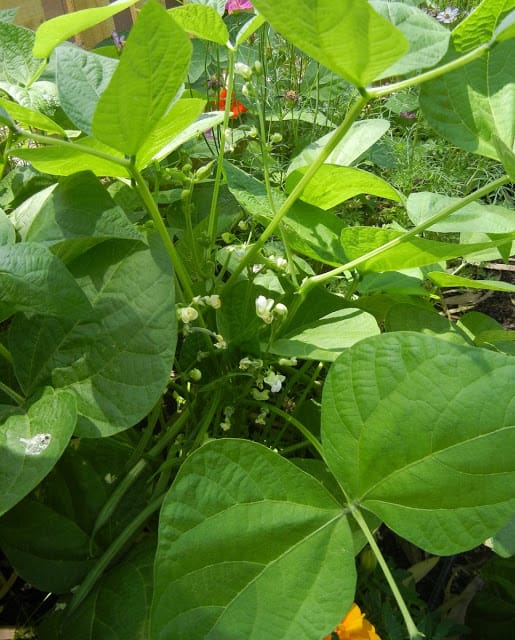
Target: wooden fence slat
(32, 13)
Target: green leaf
(332, 185)
(308, 230)
(32, 439)
(506, 28)
(449, 280)
(408, 317)
(118, 359)
(503, 542)
(480, 25)
(163, 138)
(48, 550)
(119, 606)
(250, 27)
(506, 156)
(360, 137)
(413, 252)
(7, 230)
(420, 432)
(30, 118)
(17, 64)
(203, 21)
(57, 30)
(349, 38)
(218, 5)
(63, 161)
(8, 15)
(237, 321)
(81, 78)
(428, 39)
(328, 336)
(472, 217)
(72, 216)
(150, 73)
(475, 105)
(33, 279)
(40, 96)
(262, 534)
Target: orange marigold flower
(236, 106)
(354, 627)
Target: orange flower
(236, 106)
(354, 627)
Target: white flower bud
(187, 314)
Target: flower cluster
(266, 309)
(354, 626)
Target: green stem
(131, 477)
(4, 351)
(310, 283)
(338, 134)
(212, 227)
(414, 633)
(379, 92)
(151, 206)
(58, 142)
(110, 554)
(12, 393)
(36, 73)
(313, 441)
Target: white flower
(242, 69)
(274, 380)
(448, 15)
(250, 363)
(288, 362)
(220, 342)
(261, 419)
(213, 301)
(264, 308)
(281, 310)
(187, 314)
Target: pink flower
(238, 5)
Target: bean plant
(216, 386)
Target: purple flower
(238, 5)
(408, 114)
(448, 15)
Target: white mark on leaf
(37, 444)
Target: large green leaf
(428, 39)
(52, 32)
(326, 338)
(413, 252)
(118, 359)
(332, 185)
(63, 161)
(72, 216)
(17, 65)
(360, 137)
(203, 21)
(475, 105)
(265, 551)
(349, 37)
(39, 96)
(32, 439)
(421, 432)
(33, 279)
(163, 138)
(150, 73)
(472, 218)
(81, 78)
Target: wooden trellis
(31, 13)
